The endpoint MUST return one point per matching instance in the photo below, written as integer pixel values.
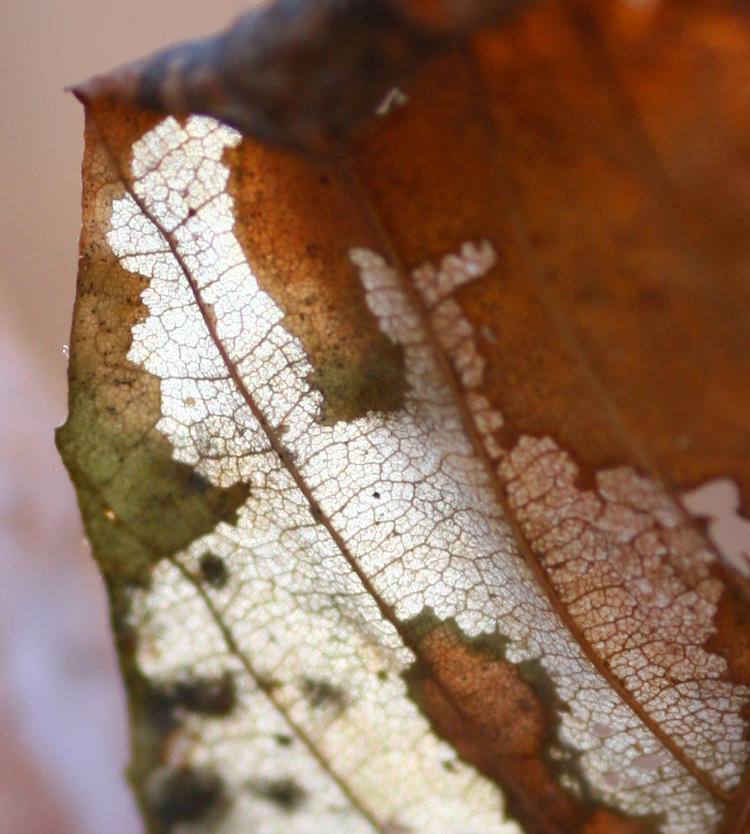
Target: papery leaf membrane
(395, 463)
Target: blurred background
(63, 742)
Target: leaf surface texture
(419, 474)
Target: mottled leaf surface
(419, 471)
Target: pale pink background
(62, 732)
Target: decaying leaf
(419, 470)
(299, 73)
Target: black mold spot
(210, 696)
(320, 693)
(376, 495)
(285, 793)
(184, 793)
(164, 702)
(213, 570)
(158, 709)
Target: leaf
(418, 470)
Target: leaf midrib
(510, 782)
(319, 516)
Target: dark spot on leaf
(158, 709)
(321, 693)
(184, 793)
(285, 793)
(376, 495)
(213, 570)
(283, 740)
(210, 696)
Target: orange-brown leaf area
(419, 471)
(496, 716)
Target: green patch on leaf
(351, 388)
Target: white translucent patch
(523, 613)
(452, 328)
(719, 501)
(623, 559)
(294, 607)
(418, 516)
(380, 750)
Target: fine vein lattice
(365, 544)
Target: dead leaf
(419, 473)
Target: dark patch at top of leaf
(294, 73)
